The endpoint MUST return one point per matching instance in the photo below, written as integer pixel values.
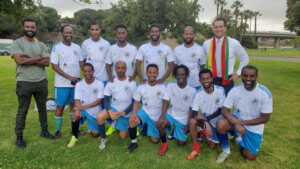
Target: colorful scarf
(211, 62)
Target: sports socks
(196, 147)
(75, 128)
(224, 142)
(102, 130)
(163, 138)
(58, 123)
(132, 134)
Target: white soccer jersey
(248, 105)
(126, 54)
(67, 58)
(158, 55)
(181, 101)
(191, 57)
(95, 53)
(209, 103)
(151, 97)
(121, 93)
(89, 93)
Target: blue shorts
(178, 128)
(91, 121)
(152, 130)
(122, 123)
(215, 136)
(63, 96)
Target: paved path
(289, 59)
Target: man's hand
(161, 122)
(131, 78)
(113, 115)
(111, 79)
(160, 81)
(186, 129)
(234, 77)
(74, 79)
(199, 117)
(134, 120)
(240, 129)
(142, 81)
(82, 107)
(234, 121)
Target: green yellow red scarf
(211, 62)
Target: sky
(273, 11)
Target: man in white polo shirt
(253, 105)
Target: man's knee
(193, 122)
(95, 135)
(180, 143)
(154, 140)
(222, 126)
(212, 145)
(76, 117)
(249, 156)
(101, 117)
(123, 135)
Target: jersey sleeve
(167, 94)
(267, 106)
(202, 56)
(101, 91)
(83, 50)
(196, 103)
(55, 55)
(137, 94)
(222, 98)
(107, 90)
(15, 48)
(240, 52)
(80, 54)
(228, 102)
(170, 56)
(44, 48)
(139, 55)
(77, 93)
(108, 58)
(176, 56)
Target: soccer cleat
(137, 132)
(143, 133)
(20, 143)
(72, 142)
(57, 135)
(170, 137)
(110, 131)
(89, 131)
(238, 139)
(163, 149)
(131, 148)
(222, 157)
(46, 134)
(102, 144)
(192, 155)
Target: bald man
(120, 107)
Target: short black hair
(94, 23)
(27, 20)
(186, 70)
(250, 67)
(202, 71)
(155, 25)
(152, 65)
(88, 64)
(63, 27)
(121, 26)
(219, 19)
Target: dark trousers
(24, 91)
(218, 81)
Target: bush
(249, 42)
(296, 42)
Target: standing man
(180, 96)
(191, 55)
(66, 60)
(221, 52)
(94, 51)
(253, 105)
(157, 53)
(31, 57)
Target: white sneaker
(238, 139)
(102, 144)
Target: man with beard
(157, 53)
(209, 100)
(120, 107)
(221, 52)
(180, 95)
(151, 95)
(88, 97)
(121, 51)
(94, 51)
(191, 55)
(66, 60)
(253, 105)
(31, 57)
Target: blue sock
(224, 142)
(102, 130)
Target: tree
(293, 16)
(236, 6)
(217, 3)
(223, 3)
(256, 14)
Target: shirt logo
(75, 52)
(114, 99)
(254, 101)
(89, 58)
(65, 64)
(193, 55)
(146, 62)
(158, 94)
(186, 98)
(82, 102)
(159, 52)
(126, 89)
(95, 91)
(217, 101)
(146, 104)
(100, 48)
(127, 55)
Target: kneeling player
(209, 99)
(88, 97)
(121, 93)
(253, 104)
(151, 94)
(181, 96)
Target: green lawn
(274, 52)
(280, 148)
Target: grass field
(280, 148)
(274, 52)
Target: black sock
(132, 133)
(102, 130)
(163, 138)
(75, 128)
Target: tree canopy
(293, 16)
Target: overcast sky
(273, 11)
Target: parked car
(4, 52)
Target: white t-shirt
(235, 50)
(191, 57)
(95, 53)
(151, 97)
(126, 54)
(121, 93)
(209, 103)
(181, 101)
(158, 55)
(67, 58)
(248, 105)
(89, 93)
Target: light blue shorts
(152, 130)
(91, 121)
(215, 136)
(63, 96)
(122, 123)
(178, 128)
